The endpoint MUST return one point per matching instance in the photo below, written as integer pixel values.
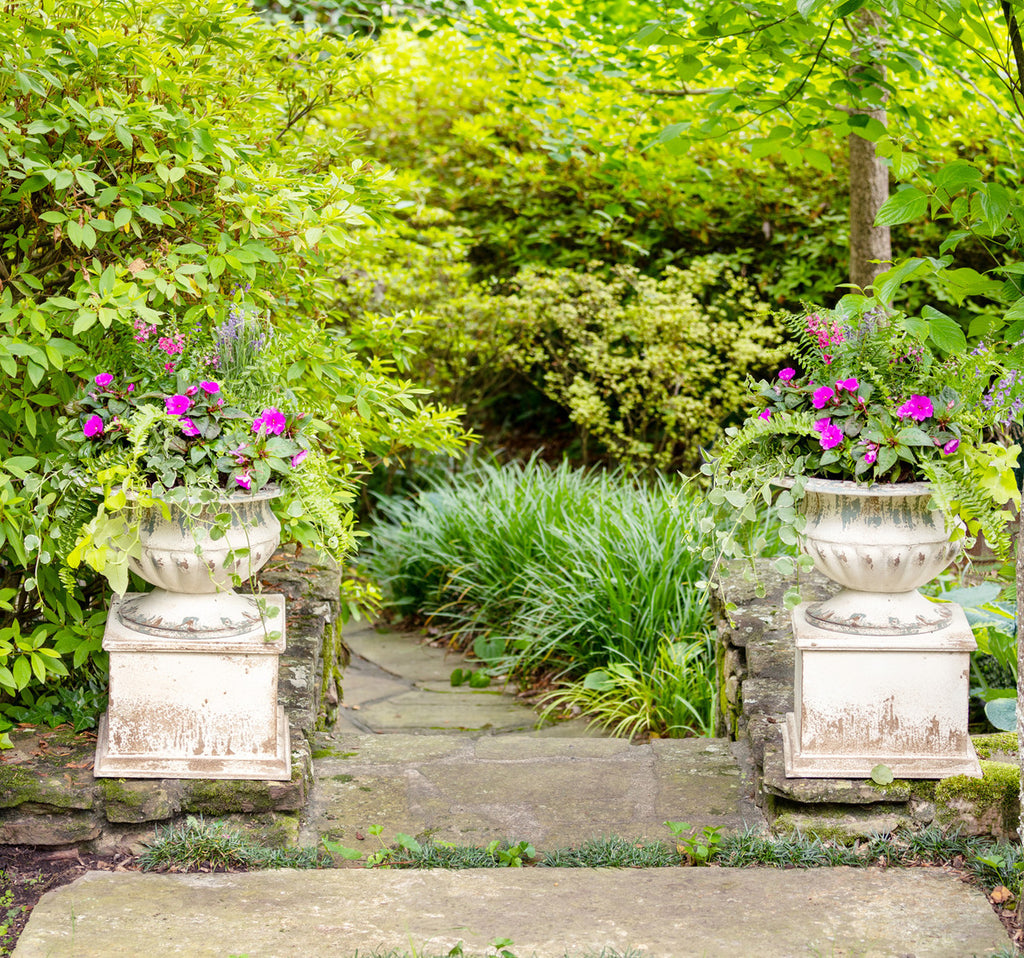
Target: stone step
(542, 912)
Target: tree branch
(684, 91)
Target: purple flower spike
(177, 404)
(103, 380)
(821, 397)
(916, 407)
(93, 427)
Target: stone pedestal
(194, 706)
(866, 700)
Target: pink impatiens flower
(270, 422)
(821, 396)
(820, 424)
(850, 385)
(302, 453)
(209, 386)
(831, 436)
(871, 456)
(103, 380)
(787, 374)
(951, 447)
(93, 427)
(177, 404)
(244, 480)
(765, 414)
(916, 407)
(188, 427)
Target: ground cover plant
(587, 577)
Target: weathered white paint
(194, 707)
(880, 543)
(895, 700)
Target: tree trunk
(869, 189)
(869, 178)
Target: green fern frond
(761, 440)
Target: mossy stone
(989, 805)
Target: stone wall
(48, 795)
(756, 659)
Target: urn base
(865, 700)
(194, 705)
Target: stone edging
(756, 659)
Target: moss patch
(114, 790)
(987, 804)
(985, 745)
(213, 797)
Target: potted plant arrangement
(884, 436)
(180, 449)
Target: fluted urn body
(194, 556)
(880, 543)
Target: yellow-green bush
(650, 369)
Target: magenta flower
(93, 427)
(787, 374)
(103, 380)
(177, 404)
(131, 387)
(821, 396)
(191, 391)
(872, 453)
(765, 414)
(850, 385)
(244, 480)
(916, 407)
(172, 346)
(831, 436)
(208, 386)
(270, 422)
(951, 447)
(188, 427)
(302, 453)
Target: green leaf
(944, 331)
(903, 206)
(882, 775)
(1002, 713)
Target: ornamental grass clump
(878, 396)
(585, 579)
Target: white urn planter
(881, 672)
(193, 664)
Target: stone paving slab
(546, 913)
(552, 792)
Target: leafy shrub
(154, 160)
(651, 369)
(561, 178)
(561, 572)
